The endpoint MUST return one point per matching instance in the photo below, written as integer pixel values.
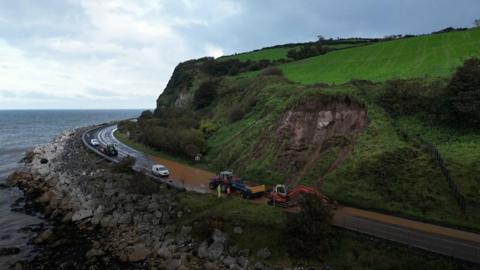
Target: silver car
(160, 170)
(94, 142)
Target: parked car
(160, 170)
(94, 142)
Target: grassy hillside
(271, 127)
(280, 53)
(431, 55)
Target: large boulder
(94, 253)
(202, 250)
(174, 264)
(243, 262)
(237, 230)
(228, 261)
(219, 236)
(164, 252)
(264, 253)
(82, 214)
(43, 237)
(137, 252)
(210, 266)
(215, 250)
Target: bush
(413, 97)
(124, 165)
(402, 97)
(464, 92)
(127, 126)
(173, 117)
(208, 127)
(142, 184)
(147, 114)
(179, 141)
(236, 114)
(308, 232)
(232, 66)
(308, 50)
(205, 94)
(271, 71)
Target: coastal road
(438, 239)
(143, 162)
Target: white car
(94, 142)
(160, 170)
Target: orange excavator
(281, 196)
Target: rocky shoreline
(100, 222)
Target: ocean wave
(13, 150)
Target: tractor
(109, 150)
(226, 179)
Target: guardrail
(170, 183)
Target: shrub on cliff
(236, 113)
(309, 231)
(414, 97)
(464, 92)
(124, 165)
(147, 114)
(205, 94)
(142, 184)
(208, 127)
(271, 71)
(178, 141)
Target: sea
(20, 130)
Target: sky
(86, 54)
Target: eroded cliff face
(313, 123)
(309, 130)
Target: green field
(273, 54)
(430, 55)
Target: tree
(147, 114)
(464, 92)
(309, 231)
(205, 94)
(476, 23)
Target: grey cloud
(101, 92)
(7, 94)
(26, 94)
(271, 22)
(28, 25)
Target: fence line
(433, 151)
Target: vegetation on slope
(265, 226)
(243, 124)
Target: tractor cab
(223, 178)
(109, 150)
(226, 175)
(280, 190)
